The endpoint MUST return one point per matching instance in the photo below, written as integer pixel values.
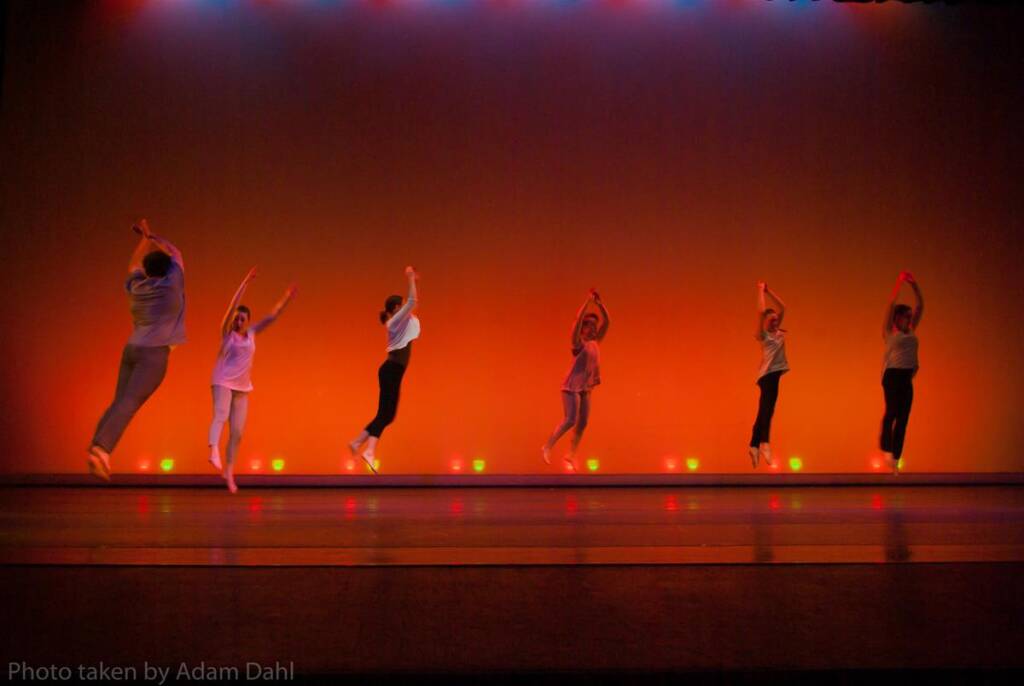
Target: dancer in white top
(402, 329)
(899, 331)
(231, 381)
(584, 374)
(773, 366)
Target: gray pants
(142, 370)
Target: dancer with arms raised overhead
(773, 366)
(231, 382)
(403, 327)
(899, 330)
(584, 374)
(156, 298)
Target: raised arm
(606, 320)
(135, 263)
(919, 307)
(276, 312)
(225, 323)
(411, 299)
(780, 306)
(887, 325)
(578, 326)
(158, 242)
(761, 307)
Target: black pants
(769, 384)
(389, 376)
(898, 385)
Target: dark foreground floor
(615, 582)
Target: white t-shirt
(234, 361)
(403, 327)
(773, 353)
(901, 350)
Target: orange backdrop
(517, 154)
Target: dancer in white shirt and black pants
(403, 328)
(900, 333)
(773, 366)
(231, 382)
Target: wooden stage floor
(510, 526)
(623, 580)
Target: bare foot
(545, 453)
(215, 459)
(99, 463)
(570, 460)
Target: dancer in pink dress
(589, 330)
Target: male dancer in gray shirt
(156, 295)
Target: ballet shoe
(545, 453)
(570, 460)
(755, 456)
(232, 486)
(766, 454)
(893, 463)
(214, 460)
